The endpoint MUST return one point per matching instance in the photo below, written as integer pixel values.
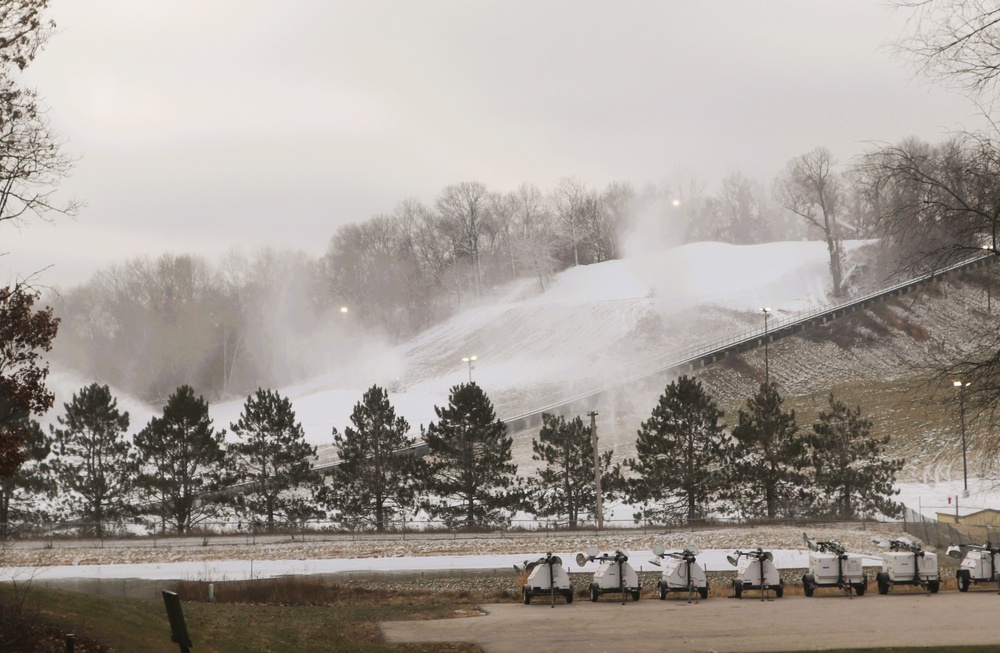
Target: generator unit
(545, 577)
(906, 563)
(680, 573)
(980, 564)
(614, 575)
(755, 570)
(831, 566)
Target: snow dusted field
(242, 558)
(589, 327)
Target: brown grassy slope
(883, 359)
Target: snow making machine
(680, 573)
(614, 574)
(755, 570)
(980, 564)
(831, 566)
(545, 577)
(906, 563)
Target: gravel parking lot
(720, 625)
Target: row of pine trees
(179, 472)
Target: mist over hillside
(593, 325)
(598, 324)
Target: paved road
(720, 625)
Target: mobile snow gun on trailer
(980, 564)
(906, 563)
(831, 566)
(755, 570)
(546, 577)
(680, 573)
(614, 575)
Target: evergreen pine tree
(852, 472)
(20, 493)
(471, 473)
(95, 465)
(374, 482)
(770, 457)
(25, 334)
(272, 457)
(182, 460)
(680, 453)
(565, 486)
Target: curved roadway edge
(792, 623)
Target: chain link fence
(942, 534)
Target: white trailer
(831, 566)
(545, 577)
(680, 573)
(980, 564)
(906, 563)
(614, 575)
(755, 570)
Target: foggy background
(200, 126)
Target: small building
(974, 517)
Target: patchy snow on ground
(233, 558)
(591, 325)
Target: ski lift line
(717, 349)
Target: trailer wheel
(635, 594)
(933, 586)
(661, 591)
(703, 592)
(569, 596)
(593, 593)
(807, 585)
(963, 580)
(527, 597)
(859, 588)
(883, 582)
(738, 589)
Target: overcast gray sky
(204, 124)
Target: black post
(70, 643)
(621, 574)
(178, 629)
(687, 561)
(552, 581)
(760, 561)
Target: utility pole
(767, 368)
(965, 465)
(597, 469)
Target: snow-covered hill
(593, 325)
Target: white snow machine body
(980, 564)
(680, 573)
(614, 575)
(831, 566)
(906, 563)
(755, 570)
(547, 578)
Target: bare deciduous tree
(956, 42)
(466, 208)
(811, 189)
(741, 207)
(31, 160)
